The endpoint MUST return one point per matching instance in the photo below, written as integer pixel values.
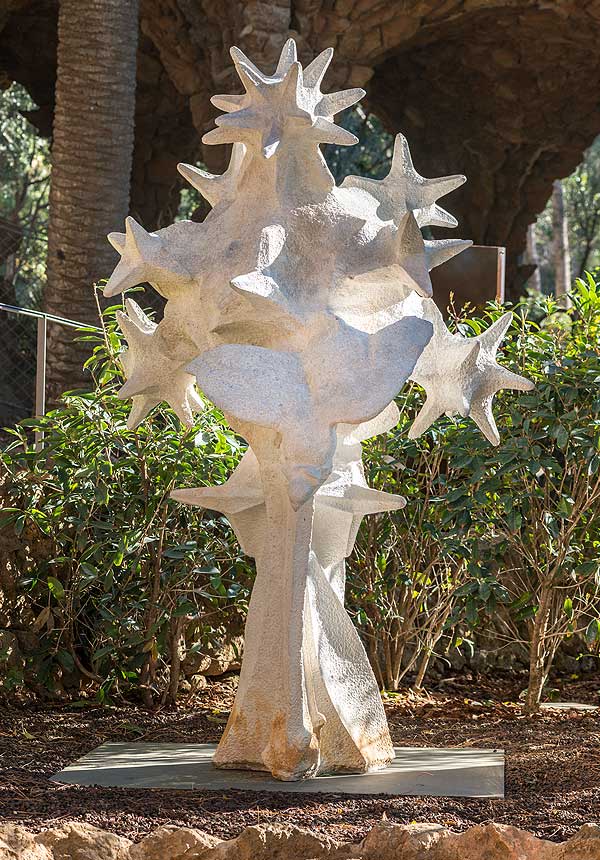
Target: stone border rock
(386, 841)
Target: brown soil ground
(552, 773)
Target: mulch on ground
(552, 766)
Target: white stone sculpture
(301, 309)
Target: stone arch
(515, 103)
(510, 86)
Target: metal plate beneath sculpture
(459, 772)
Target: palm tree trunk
(91, 166)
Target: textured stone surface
(276, 843)
(16, 843)
(76, 841)
(386, 841)
(461, 375)
(301, 308)
(221, 656)
(175, 843)
(510, 84)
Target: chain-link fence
(23, 337)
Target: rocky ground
(552, 774)
(385, 841)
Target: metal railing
(23, 361)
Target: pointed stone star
(242, 491)
(241, 499)
(348, 460)
(418, 256)
(404, 190)
(399, 262)
(328, 104)
(323, 104)
(145, 257)
(265, 302)
(343, 492)
(259, 118)
(438, 251)
(461, 376)
(217, 188)
(151, 375)
(260, 287)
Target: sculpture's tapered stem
(273, 724)
(307, 700)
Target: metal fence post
(40, 376)
(25, 408)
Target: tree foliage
(508, 534)
(582, 199)
(24, 187)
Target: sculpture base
(261, 769)
(463, 772)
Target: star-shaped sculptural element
(344, 498)
(287, 104)
(343, 492)
(461, 376)
(404, 190)
(303, 403)
(418, 256)
(145, 257)
(240, 498)
(152, 376)
(214, 187)
(375, 284)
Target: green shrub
(510, 533)
(107, 584)
(111, 580)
